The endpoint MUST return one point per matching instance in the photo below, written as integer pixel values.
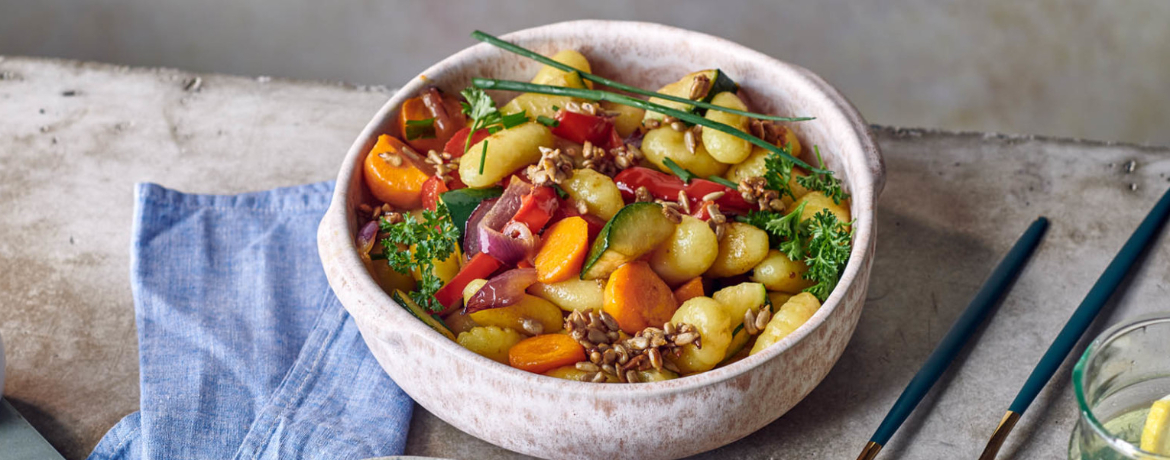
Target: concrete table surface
(75, 137)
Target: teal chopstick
(939, 360)
(1084, 315)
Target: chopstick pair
(1076, 326)
(940, 359)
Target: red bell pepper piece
(431, 189)
(581, 127)
(666, 187)
(479, 267)
(537, 208)
(458, 141)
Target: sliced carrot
(543, 353)
(393, 174)
(563, 250)
(689, 290)
(415, 110)
(637, 298)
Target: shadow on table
(55, 432)
(899, 327)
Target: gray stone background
(1089, 69)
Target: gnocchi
(507, 151)
(743, 247)
(596, 191)
(724, 147)
(689, 252)
(662, 143)
(490, 342)
(779, 273)
(571, 295)
(714, 325)
(786, 320)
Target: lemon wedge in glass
(1156, 433)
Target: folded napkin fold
(244, 350)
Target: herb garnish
(778, 172)
(550, 122)
(679, 171)
(420, 129)
(724, 182)
(561, 193)
(827, 184)
(828, 250)
(435, 238)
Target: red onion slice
(471, 230)
(504, 290)
(507, 205)
(366, 238)
(514, 244)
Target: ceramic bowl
(554, 418)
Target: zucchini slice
(422, 315)
(720, 82)
(635, 230)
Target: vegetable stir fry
(586, 234)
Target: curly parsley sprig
(824, 183)
(823, 242)
(828, 250)
(435, 238)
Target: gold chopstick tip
(871, 450)
(1000, 435)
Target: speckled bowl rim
(865, 191)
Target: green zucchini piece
(720, 82)
(635, 230)
(417, 311)
(463, 201)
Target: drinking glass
(1122, 373)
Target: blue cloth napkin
(244, 350)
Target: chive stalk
(598, 95)
(494, 41)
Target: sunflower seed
(595, 357)
(763, 318)
(749, 322)
(609, 321)
(684, 202)
(685, 338)
(609, 369)
(587, 366)
(598, 377)
(689, 141)
(632, 376)
(608, 356)
(713, 196)
(391, 158)
(531, 326)
(671, 367)
(640, 343)
(597, 336)
(655, 358)
(670, 328)
(680, 127)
